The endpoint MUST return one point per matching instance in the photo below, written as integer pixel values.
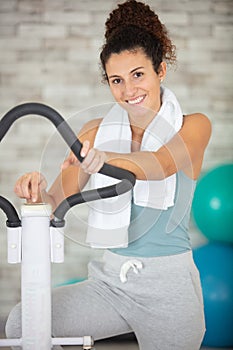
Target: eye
(116, 81)
(138, 74)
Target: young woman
(148, 285)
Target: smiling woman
(138, 85)
(147, 282)
(136, 38)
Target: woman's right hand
(30, 186)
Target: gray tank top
(154, 232)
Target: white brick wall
(49, 53)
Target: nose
(130, 89)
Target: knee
(13, 324)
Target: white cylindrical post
(14, 245)
(57, 244)
(36, 277)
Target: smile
(136, 100)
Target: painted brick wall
(49, 53)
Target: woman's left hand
(93, 159)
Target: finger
(85, 148)
(38, 184)
(34, 186)
(89, 159)
(94, 161)
(102, 159)
(22, 187)
(97, 163)
(25, 186)
(94, 166)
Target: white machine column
(36, 277)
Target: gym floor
(126, 342)
(126, 345)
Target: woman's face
(134, 83)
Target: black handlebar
(11, 213)
(127, 178)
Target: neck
(137, 135)
(143, 117)
(137, 131)
(139, 123)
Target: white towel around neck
(109, 219)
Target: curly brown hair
(134, 25)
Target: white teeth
(137, 100)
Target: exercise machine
(35, 240)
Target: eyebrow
(132, 71)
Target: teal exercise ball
(212, 208)
(215, 264)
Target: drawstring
(135, 264)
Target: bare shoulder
(198, 126)
(195, 132)
(89, 130)
(196, 120)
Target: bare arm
(185, 151)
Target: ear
(162, 71)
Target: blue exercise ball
(215, 264)
(212, 208)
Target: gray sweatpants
(161, 303)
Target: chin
(137, 110)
